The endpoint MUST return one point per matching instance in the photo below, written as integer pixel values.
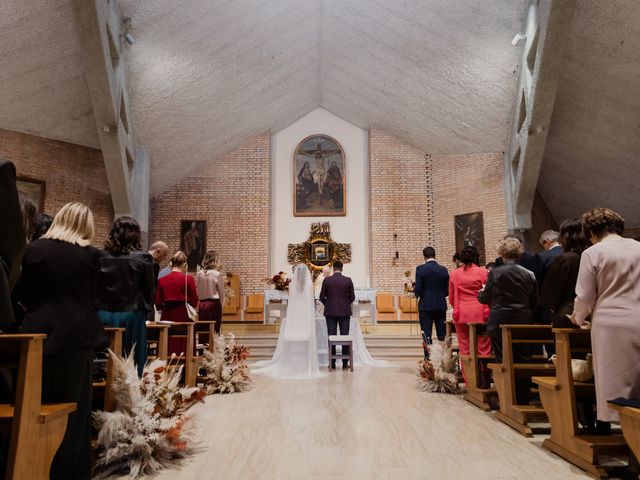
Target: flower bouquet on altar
(280, 281)
(225, 369)
(409, 287)
(148, 429)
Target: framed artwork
(319, 178)
(193, 241)
(35, 189)
(469, 230)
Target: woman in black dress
(58, 273)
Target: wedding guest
(41, 224)
(172, 294)
(210, 286)
(457, 263)
(551, 248)
(489, 266)
(126, 286)
(432, 288)
(464, 284)
(608, 289)
(58, 273)
(159, 251)
(512, 293)
(29, 211)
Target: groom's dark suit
(337, 295)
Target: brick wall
(468, 183)
(71, 172)
(417, 196)
(232, 194)
(401, 210)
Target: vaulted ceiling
(205, 75)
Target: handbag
(581, 370)
(192, 313)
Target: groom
(337, 295)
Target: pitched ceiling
(592, 156)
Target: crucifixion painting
(319, 178)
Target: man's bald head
(159, 251)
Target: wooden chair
(408, 308)
(231, 308)
(385, 306)
(630, 423)
(505, 374)
(189, 359)
(255, 307)
(157, 340)
(104, 388)
(473, 365)
(36, 430)
(559, 394)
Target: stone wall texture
(71, 172)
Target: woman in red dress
(464, 284)
(174, 290)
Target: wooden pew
(450, 329)
(630, 423)
(189, 358)
(505, 374)
(104, 388)
(158, 340)
(559, 394)
(205, 333)
(36, 430)
(484, 398)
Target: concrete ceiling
(43, 90)
(592, 156)
(206, 75)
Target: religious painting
(193, 241)
(319, 178)
(469, 230)
(34, 189)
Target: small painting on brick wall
(193, 241)
(34, 189)
(319, 178)
(469, 230)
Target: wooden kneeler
(505, 374)
(36, 430)
(559, 394)
(480, 397)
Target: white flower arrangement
(439, 373)
(225, 368)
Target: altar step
(386, 347)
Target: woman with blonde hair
(210, 286)
(174, 291)
(58, 273)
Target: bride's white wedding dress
(296, 354)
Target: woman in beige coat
(608, 288)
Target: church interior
(196, 163)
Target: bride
(296, 354)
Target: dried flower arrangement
(280, 281)
(225, 369)
(148, 431)
(439, 373)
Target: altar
(364, 307)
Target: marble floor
(369, 424)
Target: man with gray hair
(551, 249)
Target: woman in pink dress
(464, 284)
(608, 288)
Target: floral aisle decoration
(439, 373)
(148, 430)
(280, 281)
(225, 369)
(409, 287)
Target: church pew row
(157, 341)
(630, 424)
(36, 429)
(478, 391)
(102, 389)
(505, 374)
(188, 359)
(559, 395)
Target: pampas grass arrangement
(148, 431)
(438, 374)
(225, 368)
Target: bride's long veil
(296, 354)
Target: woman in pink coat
(464, 284)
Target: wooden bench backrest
(232, 303)
(115, 345)
(159, 333)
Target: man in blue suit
(432, 289)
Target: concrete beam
(547, 33)
(98, 26)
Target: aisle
(369, 424)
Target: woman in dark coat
(126, 286)
(512, 293)
(58, 273)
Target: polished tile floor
(369, 424)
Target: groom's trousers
(332, 329)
